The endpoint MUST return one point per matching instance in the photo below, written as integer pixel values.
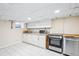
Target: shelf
(40, 28)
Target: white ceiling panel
(37, 11)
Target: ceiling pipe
(11, 23)
(72, 10)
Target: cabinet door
(41, 41)
(27, 38)
(30, 39)
(34, 39)
(69, 23)
(57, 26)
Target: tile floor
(23, 49)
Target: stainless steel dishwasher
(71, 46)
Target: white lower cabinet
(42, 41)
(38, 40)
(34, 39)
(27, 38)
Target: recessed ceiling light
(56, 11)
(29, 18)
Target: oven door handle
(55, 39)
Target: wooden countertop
(64, 35)
(71, 35)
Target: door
(55, 42)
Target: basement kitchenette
(55, 36)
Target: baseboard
(12, 43)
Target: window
(17, 25)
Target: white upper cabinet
(71, 25)
(68, 25)
(57, 26)
(40, 24)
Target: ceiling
(36, 11)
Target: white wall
(8, 36)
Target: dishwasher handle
(72, 39)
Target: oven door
(55, 42)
